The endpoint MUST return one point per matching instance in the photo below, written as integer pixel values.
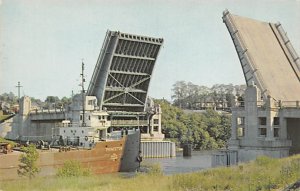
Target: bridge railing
(41, 111)
(128, 122)
(260, 103)
(67, 125)
(289, 104)
(280, 104)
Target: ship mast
(83, 94)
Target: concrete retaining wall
(158, 149)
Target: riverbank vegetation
(262, 174)
(205, 130)
(12, 143)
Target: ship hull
(105, 157)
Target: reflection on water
(198, 161)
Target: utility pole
(83, 94)
(19, 87)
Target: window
(240, 120)
(240, 126)
(276, 121)
(262, 132)
(276, 132)
(241, 131)
(91, 102)
(263, 121)
(89, 117)
(80, 117)
(155, 121)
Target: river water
(198, 161)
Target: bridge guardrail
(41, 111)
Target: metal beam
(123, 105)
(124, 90)
(129, 73)
(135, 57)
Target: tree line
(187, 95)
(205, 130)
(8, 100)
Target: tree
(51, 102)
(9, 98)
(187, 95)
(180, 93)
(28, 160)
(208, 130)
(66, 101)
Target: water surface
(198, 161)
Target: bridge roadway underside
(123, 71)
(266, 55)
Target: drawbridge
(123, 71)
(266, 55)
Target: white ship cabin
(84, 129)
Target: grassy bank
(3, 117)
(2, 140)
(262, 174)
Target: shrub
(72, 168)
(28, 159)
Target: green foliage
(72, 168)
(262, 174)
(250, 176)
(2, 140)
(28, 160)
(208, 130)
(155, 170)
(3, 117)
(188, 95)
(264, 161)
(9, 98)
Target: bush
(72, 168)
(28, 166)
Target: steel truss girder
(123, 71)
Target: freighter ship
(102, 126)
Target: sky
(43, 42)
